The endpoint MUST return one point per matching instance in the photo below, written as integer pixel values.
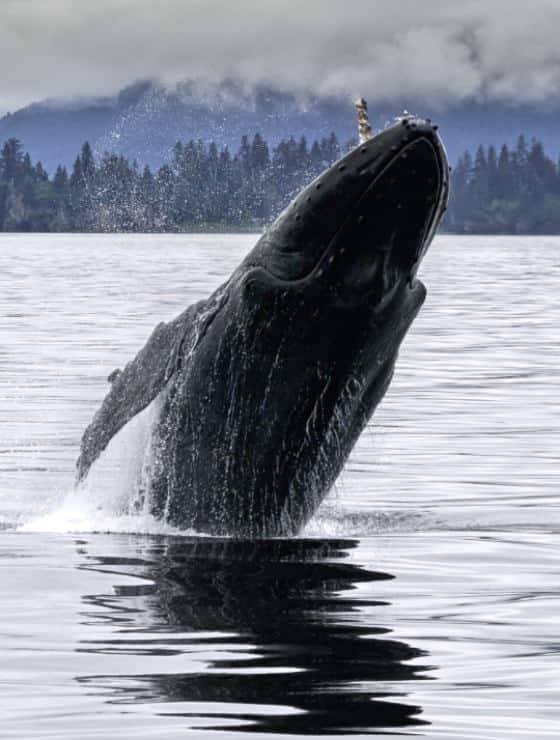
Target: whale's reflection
(308, 658)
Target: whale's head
(357, 233)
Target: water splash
(115, 496)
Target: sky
(445, 50)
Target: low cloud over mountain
(442, 52)
(145, 120)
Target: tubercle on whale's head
(362, 227)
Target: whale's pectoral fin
(137, 385)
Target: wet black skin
(268, 384)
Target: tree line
(203, 187)
(513, 191)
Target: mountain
(145, 120)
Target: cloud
(444, 51)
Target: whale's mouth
(391, 225)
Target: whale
(264, 388)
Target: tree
(11, 160)
(60, 180)
(88, 163)
(204, 185)
(504, 175)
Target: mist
(441, 51)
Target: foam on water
(114, 496)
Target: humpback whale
(265, 386)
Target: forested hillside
(205, 187)
(507, 191)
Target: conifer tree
(205, 186)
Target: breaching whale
(266, 386)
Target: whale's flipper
(138, 384)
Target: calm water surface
(423, 599)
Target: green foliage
(513, 192)
(205, 188)
(201, 188)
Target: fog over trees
(204, 187)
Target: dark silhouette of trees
(514, 192)
(203, 187)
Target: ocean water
(423, 598)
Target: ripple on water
(421, 599)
